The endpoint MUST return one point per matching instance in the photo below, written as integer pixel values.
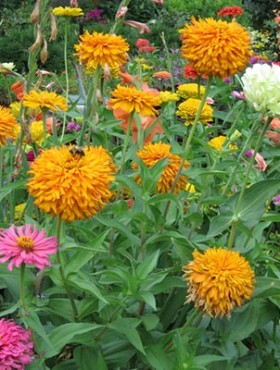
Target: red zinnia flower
(233, 11)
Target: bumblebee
(77, 150)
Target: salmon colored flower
(16, 346)
(154, 152)
(218, 280)
(8, 125)
(18, 89)
(26, 245)
(149, 125)
(44, 100)
(188, 110)
(216, 48)
(99, 49)
(129, 99)
(71, 182)
(162, 75)
(144, 46)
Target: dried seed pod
(53, 28)
(44, 52)
(35, 14)
(38, 41)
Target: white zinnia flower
(261, 86)
(9, 65)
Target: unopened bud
(53, 28)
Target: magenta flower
(276, 200)
(26, 244)
(16, 347)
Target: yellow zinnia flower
(218, 280)
(37, 132)
(8, 125)
(218, 143)
(129, 99)
(98, 49)
(167, 96)
(190, 90)
(44, 100)
(216, 48)
(188, 109)
(71, 182)
(154, 152)
(66, 11)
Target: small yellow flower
(37, 132)
(129, 99)
(218, 143)
(215, 47)
(44, 100)
(66, 11)
(146, 67)
(218, 280)
(98, 49)
(15, 108)
(191, 90)
(154, 152)
(19, 211)
(8, 125)
(188, 109)
(167, 96)
(190, 188)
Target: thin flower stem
(44, 113)
(63, 278)
(21, 288)
(188, 142)
(126, 141)
(66, 75)
(90, 110)
(245, 183)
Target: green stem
(61, 271)
(126, 142)
(44, 113)
(90, 110)
(245, 183)
(22, 288)
(66, 76)
(188, 142)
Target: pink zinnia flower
(26, 244)
(16, 347)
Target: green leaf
(6, 190)
(65, 334)
(158, 359)
(219, 224)
(121, 227)
(147, 266)
(86, 357)
(266, 287)
(150, 321)
(126, 326)
(82, 256)
(85, 283)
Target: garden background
(139, 185)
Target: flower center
(25, 242)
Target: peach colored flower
(142, 27)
